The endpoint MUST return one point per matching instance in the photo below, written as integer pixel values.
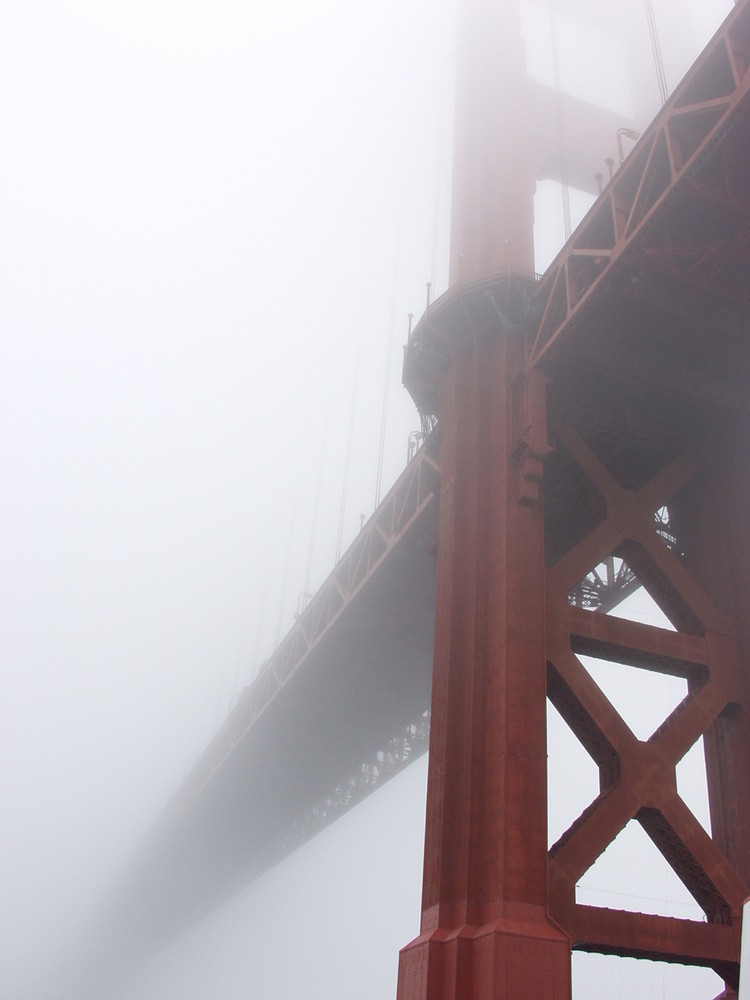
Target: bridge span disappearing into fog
(627, 405)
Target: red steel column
(494, 166)
(485, 929)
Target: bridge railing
(411, 494)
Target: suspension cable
(389, 354)
(285, 577)
(263, 609)
(316, 501)
(438, 184)
(350, 436)
(560, 119)
(656, 51)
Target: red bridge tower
(595, 419)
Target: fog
(216, 219)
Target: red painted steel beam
(660, 939)
(680, 205)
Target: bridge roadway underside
(341, 706)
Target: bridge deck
(340, 707)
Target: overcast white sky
(215, 218)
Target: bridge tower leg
(485, 929)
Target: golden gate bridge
(579, 425)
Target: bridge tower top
(511, 131)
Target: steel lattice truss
(669, 239)
(672, 210)
(637, 778)
(379, 767)
(630, 425)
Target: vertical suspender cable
(316, 501)
(656, 50)
(285, 578)
(263, 609)
(392, 317)
(438, 184)
(242, 639)
(389, 356)
(561, 137)
(352, 412)
(290, 536)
